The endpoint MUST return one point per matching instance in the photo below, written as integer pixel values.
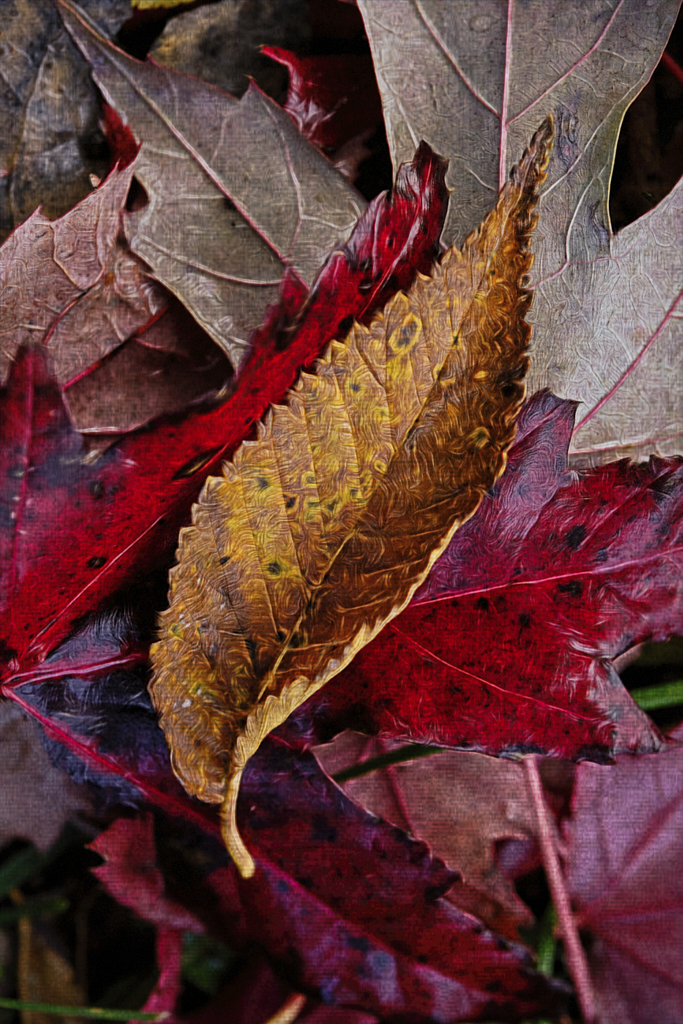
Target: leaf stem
(575, 953)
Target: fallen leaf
(211, 232)
(519, 620)
(44, 975)
(623, 861)
(71, 285)
(461, 805)
(121, 509)
(333, 100)
(260, 596)
(49, 137)
(329, 874)
(163, 369)
(131, 876)
(606, 312)
(37, 798)
(221, 43)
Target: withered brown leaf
(319, 532)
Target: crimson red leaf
(74, 530)
(624, 875)
(331, 98)
(507, 646)
(330, 878)
(130, 874)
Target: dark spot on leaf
(574, 588)
(322, 831)
(524, 619)
(358, 942)
(345, 324)
(262, 482)
(282, 886)
(406, 334)
(365, 265)
(96, 562)
(224, 559)
(96, 488)
(281, 635)
(274, 568)
(575, 537)
(601, 555)
(482, 604)
(365, 285)
(355, 387)
(290, 503)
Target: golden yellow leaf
(319, 532)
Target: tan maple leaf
(320, 531)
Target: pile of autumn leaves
(506, 648)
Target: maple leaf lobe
(421, 437)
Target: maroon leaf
(349, 907)
(74, 529)
(130, 874)
(624, 875)
(332, 99)
(346, 905)
(507, 646)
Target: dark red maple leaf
(123, 510)
(331, 877)
(508, 645)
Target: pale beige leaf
(70, 284)
(236, 194)
(471, 78)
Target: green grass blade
(410, 752)
(90, 1012)
(667, 695)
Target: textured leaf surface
(211, 231)
(123, 509)
(307, 546)
(49, 137)
(333, 100)
(508, 645)
(70, 284)
(329, 875)
(464, 806)
(606, 319)
(222, 43)
(623, 872)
